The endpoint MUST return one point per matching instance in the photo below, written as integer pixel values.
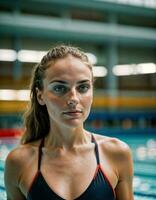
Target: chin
(75, 123)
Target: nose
(72, 99)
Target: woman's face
(67, 92)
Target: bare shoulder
(19, 157)
(21, 153)
(118, 155)
(114, 147)
(17, 162)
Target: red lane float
(14, 132)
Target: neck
(66, 138)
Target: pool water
(144, 154)
(6, 145)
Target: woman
(58, 159)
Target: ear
(39, 94)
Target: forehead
(68, 68)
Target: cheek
(87, 100)
(53, 104)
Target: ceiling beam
(77, 30)
(82, 4)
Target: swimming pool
(144, 154)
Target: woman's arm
(11, 176)
(124, 188)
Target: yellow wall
(99, 102)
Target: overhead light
(134, 69)
(22, 95)
(36, 56)
(99, 71)
(30, 56)
(92, 58)
(142, 3)
(123, 70)
(7, 95)
(14, 95)
(146, 68)
(8, 55)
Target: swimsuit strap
(96, 149)
(40, 153)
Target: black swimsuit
(99, 188)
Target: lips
(72, 112)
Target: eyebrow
(64, 82)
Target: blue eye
(59, 89)
(83, 88)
